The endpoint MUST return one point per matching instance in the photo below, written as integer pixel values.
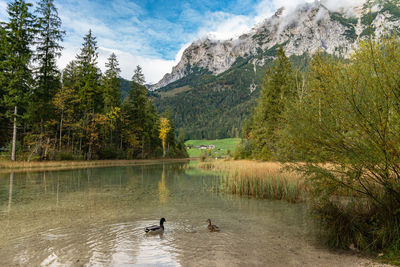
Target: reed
(264, 180)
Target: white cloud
(130, 37)
(223, 26)
(153, 68)
(3, 10)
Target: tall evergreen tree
(138, 76)
(19, 34)
(48, 49)
(111, 84)
(3, 84)
(140, 117)
(89, 75)
(70, 75)
(278, 87)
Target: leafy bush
(346, 127)
(111, 152)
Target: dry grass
(265, 180)
(7, 166)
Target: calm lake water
(96, 217)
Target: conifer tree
(48, 49)
(138, 76)
(89, 75)
(278, 87)
(3, 84)
(141, 116)
(70, 75)
(19, 34)
(111, 84)
(88, 87)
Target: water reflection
(97, 217)
(10, 192)
(162, 188)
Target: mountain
(212, 89)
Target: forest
(337, 124)
(77, 112)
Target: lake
(97, 216)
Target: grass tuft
(263, 180)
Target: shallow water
(96, 217)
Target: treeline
(76, 113)
(338, 123)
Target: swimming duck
(212, 227)
(156, 229)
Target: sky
(154, 33)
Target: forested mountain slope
(213, 88)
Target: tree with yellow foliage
(165, 128)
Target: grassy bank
(222, 146)
(351, 223)
(6, 166)
(264, 180)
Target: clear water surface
(96, 217)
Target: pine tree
(20, 34)
(3, 84)
(278, 88)
(138, 114)
(138, 76)
(111, 84)
(89, 75)
(70, 75)
(140, 117)
(48, 49)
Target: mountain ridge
(211, 70)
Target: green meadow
(221, 146)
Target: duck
(212, 227)
(156, 229)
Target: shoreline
(24, 166)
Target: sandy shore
(17, 166)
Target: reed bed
(263, 180)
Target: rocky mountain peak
(308, 28)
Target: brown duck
(212, 227)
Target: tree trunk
(111, 137)
(61, 126)
(80, 145)
(14, 140)
(143, 147)
(163, 146)
(89, 156)
(46, 150)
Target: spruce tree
(138, 76)
(19, 34)
(3, 84)
(278, 88)
(111, 84)
(70, 75)
(48, 49)
(140, 117)
(89, 75)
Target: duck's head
(162, 221)
(209, 221)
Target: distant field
(221, 146)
